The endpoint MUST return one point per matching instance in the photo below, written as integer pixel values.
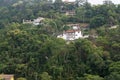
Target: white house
(70, 35)
(114, 27)
(37, 21)
(27, 21)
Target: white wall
(72, 36)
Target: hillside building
(6, 77)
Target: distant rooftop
(6, 77)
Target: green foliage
(21, 78)
(45, 76)
(93, 77)
(97, 21)
(34, 53)
(115, 67)
(113, 76)
(29, 52)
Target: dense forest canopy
(33, 52)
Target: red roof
(71, 31)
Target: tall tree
(58, 4)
